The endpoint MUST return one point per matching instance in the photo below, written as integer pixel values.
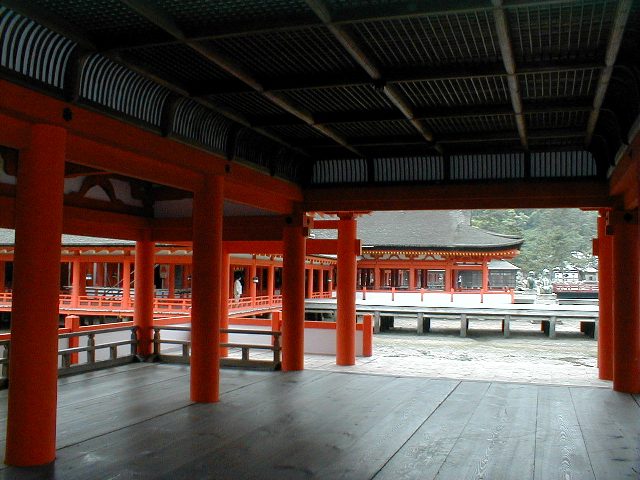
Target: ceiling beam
(613, 47)
(506, 50)
(159, 18)
(547, 193)
(426, 113)
(391, 76)
(358, 54)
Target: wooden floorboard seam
(581, 430)
(416, 430)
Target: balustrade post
(156, 341)
(91, 348)
(72, 322)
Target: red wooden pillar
(253, 286)
(33, 364)
(293, 297)
(143, 282)
(83, 279)
(321, 281)
(76, 279)
(171, 280)
(126, 284)
(485, 275)
(310, 282)
(376, 279)
(207, 290)
(412, 279)
(271, 280)
(225, 286)
(346, 303)
(605, 299)
(626, 307)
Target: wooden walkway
(136, 422)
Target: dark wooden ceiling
(348, 92)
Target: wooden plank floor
(137, 422)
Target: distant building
(432, 250)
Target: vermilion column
(271, 280)
(346, 308)
(126, 284)
(310, 282)
(207, 289)
(253, 286)
(485, 275)
(626, 293)
(171, 287)
(224, 301)
(321, 281)
(376, 279)
(144, 290)
(605, 299)
(33, 361)
(293, 298)
(76, 279)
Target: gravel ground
(526, 357)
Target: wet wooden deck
(136, 422)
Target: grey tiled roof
(7, 237)
(444, 230)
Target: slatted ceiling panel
(476, 123)
(294, 52)
(561, 84)
(340, 171)
(199, 17)
(561, 30)
(457, 92)
(111, 85)
(431, 40)
(106, 20)
(299, 131)
(177, 62)
(251, 104)
(562, 164)
(546, 120)
(340, 99)
(408, 169)
(368, 129)
(32, 50)
(492, 166)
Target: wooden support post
(367, 336)
(485, 279)
(321, 282)
(3, 266)
(144, 290)
(464, 325)
(376, 279)
(126, 284)
(293, 289)
(76, 279)
(346, 301)
(276, 318)
(271, 280)
(171, 281)
(364, 293)
(253, 286)
(72, 323)
(207, 286)
(33, 366)
(376, 322)
(626, 307)
(225, 286)
(310, 282)
(506, 326)
(420, 327)
(552, 327)
(605, 298)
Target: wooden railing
(245, 360)
(70, 356)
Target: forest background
(552, 237)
